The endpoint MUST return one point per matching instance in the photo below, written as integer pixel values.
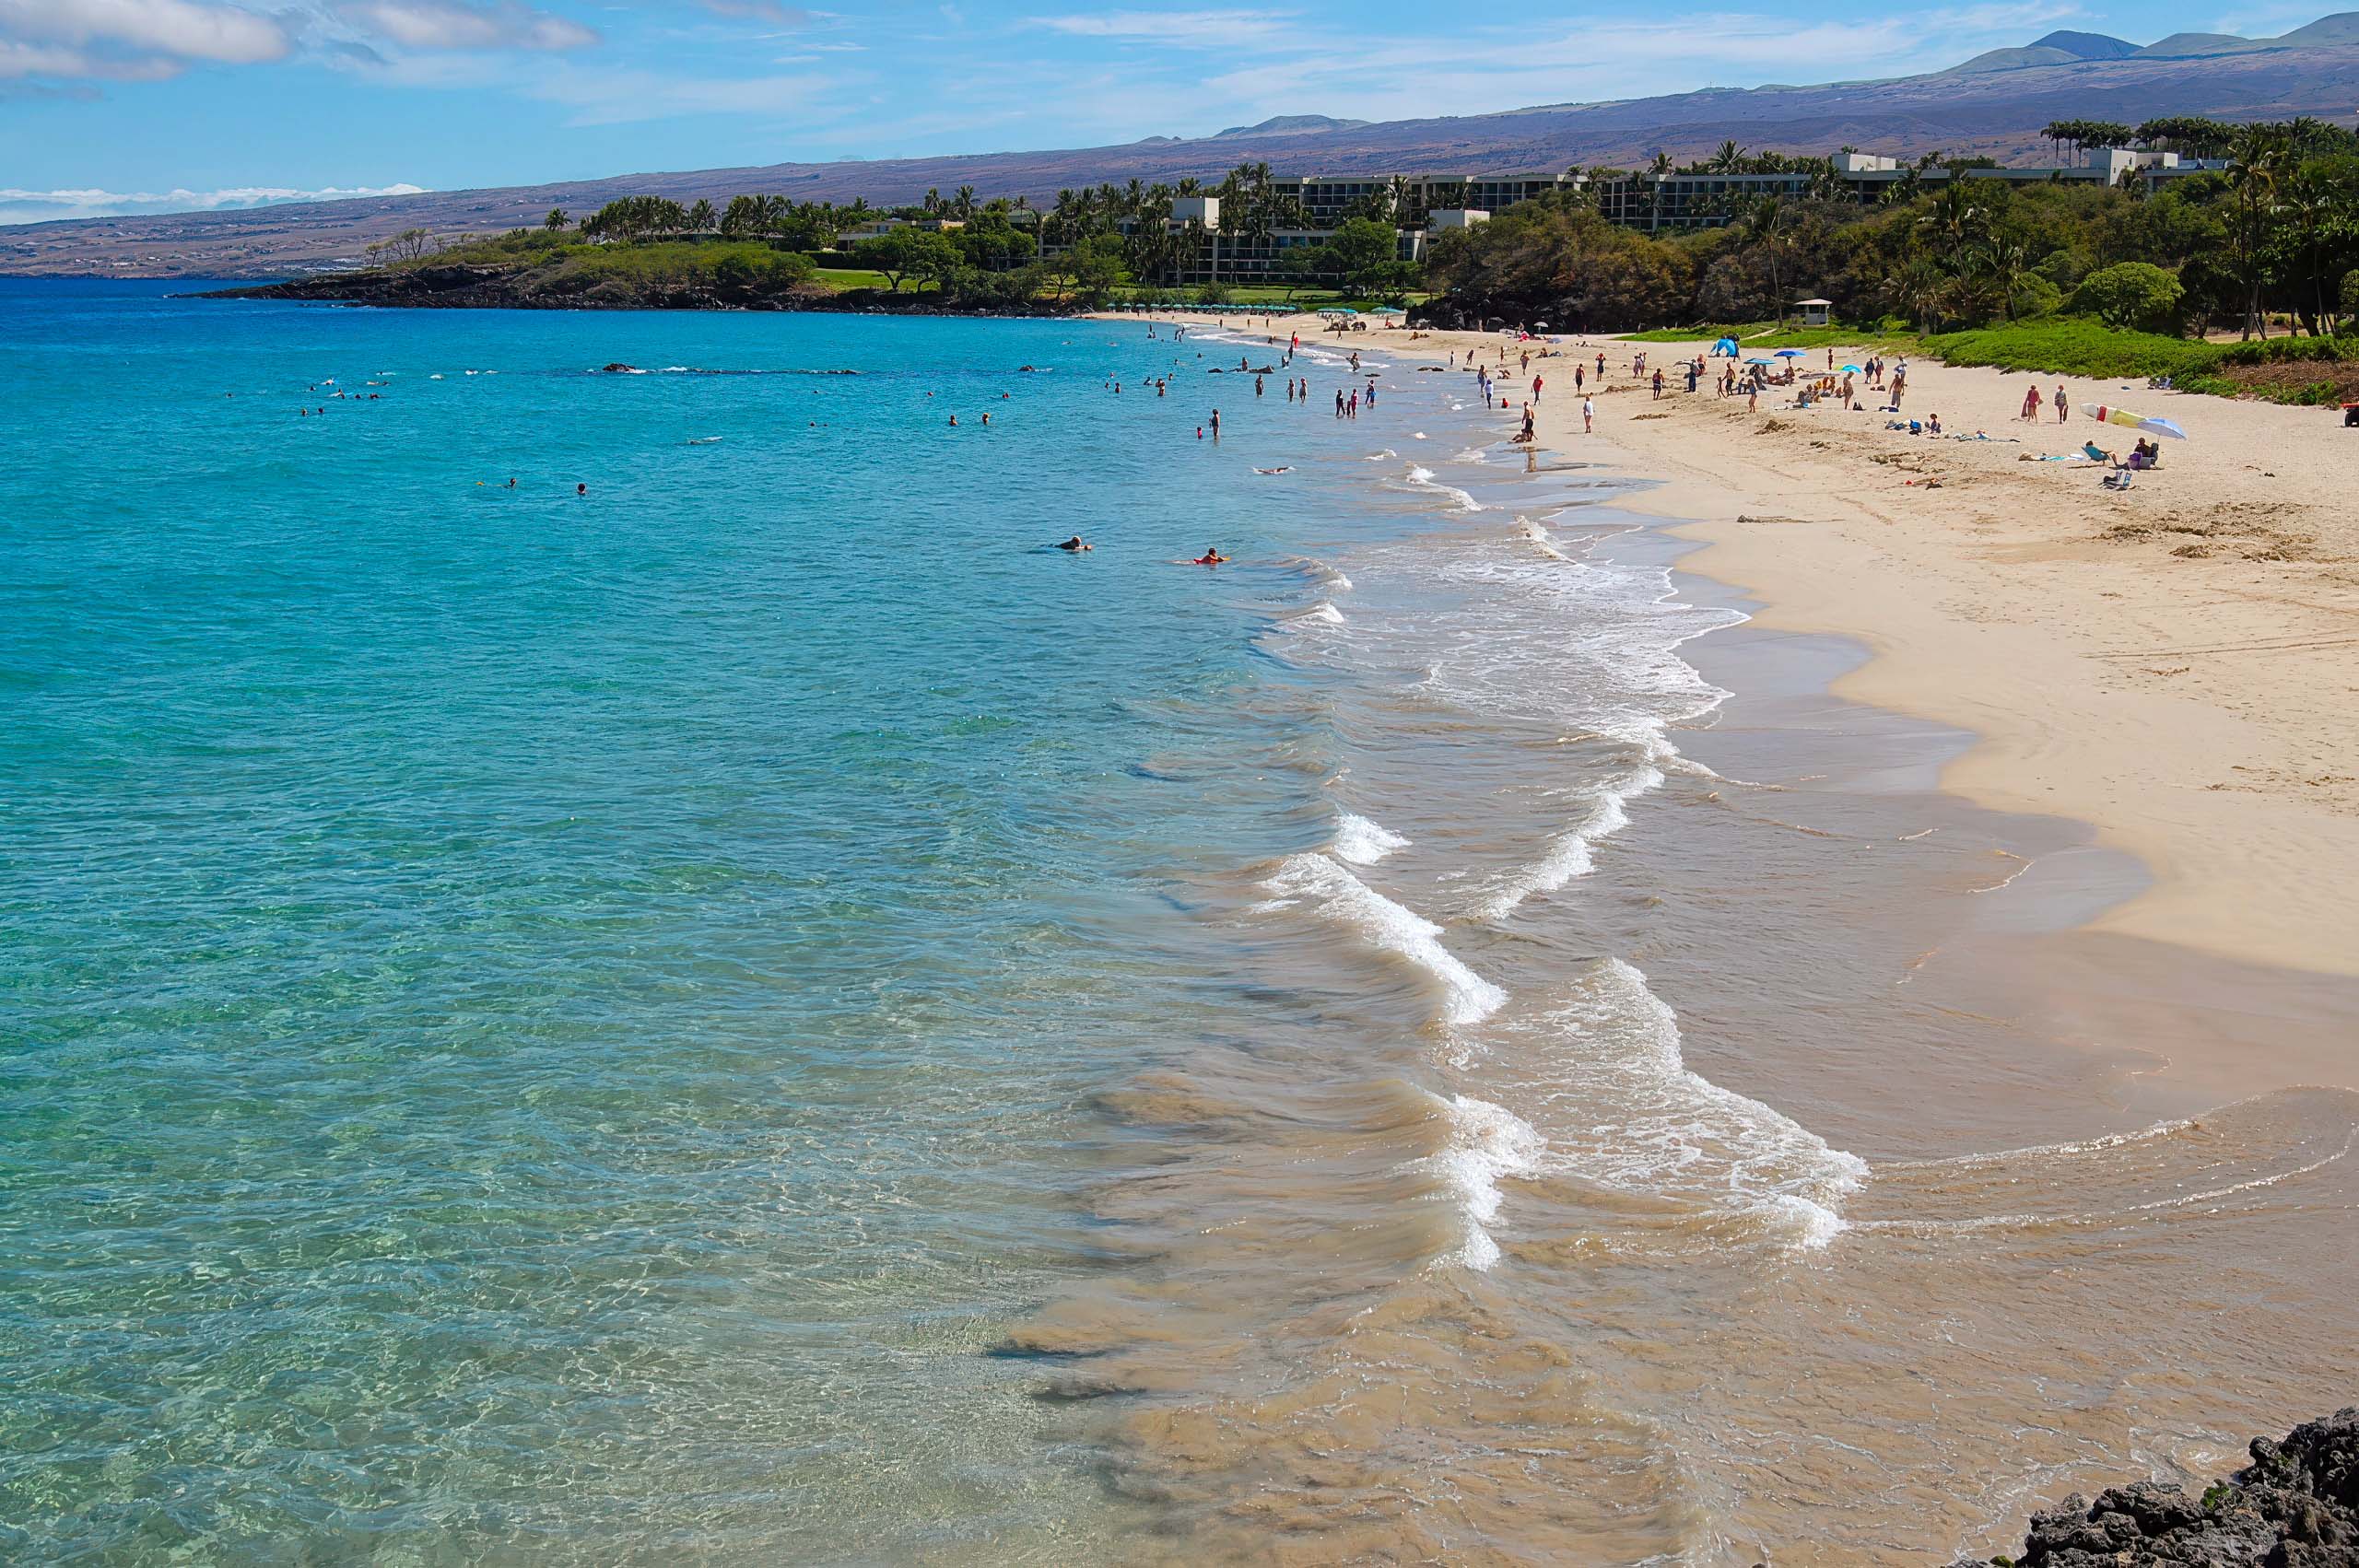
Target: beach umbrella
(1761, 361)
(1853, 370)
(2105, 416)
(1790, 354)
(1397, 310)
(1339, 310)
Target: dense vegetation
(2106, 273)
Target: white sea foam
(1486, 1143)
(1568, 854)
(1541, 537)
(1633, 1116)
(1380, 457)
(1309, 619)
(1363, 842)
(1420, 477)
(1467, 996)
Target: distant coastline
(493, 289)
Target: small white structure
(2118, 161)
(1814, 311)
(1454, 217)
(1201, 209)
(1864, 163)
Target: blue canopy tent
(1724, 349)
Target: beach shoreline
(2106, 650)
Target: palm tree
(1917, 288)
(963, 204)
(2256, 172)
(933, 202)
(2005, 262)
(1956, 219)
(700, 219)
(1729, 160)
(555, 220)
(1767, 224)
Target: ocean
(725, 1001)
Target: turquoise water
(566, 1025)
(761, 1015)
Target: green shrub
(2036, 297)
(2130, 294)
(2074, 345)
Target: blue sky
(151, 105)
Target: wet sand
(1832, 1177)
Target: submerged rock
(2296, 1505)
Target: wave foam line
(1363, 842)
(1467, 996)
(1486, 1143)
(1420, 477)
(1568, 855)
(1642, 1120)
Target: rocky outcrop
(2296, 1505)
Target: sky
(113, 106)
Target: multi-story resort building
(1422, 206)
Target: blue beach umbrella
(1761, 361)
(1790, 354)
(1853, 370)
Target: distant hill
(1287, 125)
(2056, 49)
(1990, 106)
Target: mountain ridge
(1995, 111)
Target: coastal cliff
(2296, 1505)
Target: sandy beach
(2175, 664)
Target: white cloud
(759, 10)
(42, 207)
(453, 25)
(131, 39)
(1200, 29)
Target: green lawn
(1761, 334)
(843, 278)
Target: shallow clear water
(760, 1013)
(542, 1017)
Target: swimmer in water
(1074, 543)
(1211, 558)
(582, 490)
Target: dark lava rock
(2296, 1505)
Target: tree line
(2275, 232)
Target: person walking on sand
(1588, 417)
(1580, 374)
(2063, 409)
(1537, 383)
(1658, 386)
(2030, 410)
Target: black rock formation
(2296, 1505)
